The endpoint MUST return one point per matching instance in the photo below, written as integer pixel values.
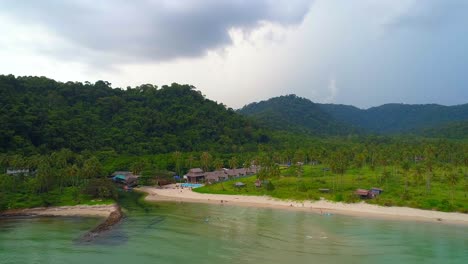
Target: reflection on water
(199, 233)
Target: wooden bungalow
(125, 178)
(376, 191)
(363, 194)
(258, 183)
(234, 173)
(215, 176)
(195, 175)
(252, 170)
(231, 173)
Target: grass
(289, 186)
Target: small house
(363, 194)
(195, 175)
(215, 176)
(252, 170)
(376, 191)
(125, 177)
(232, 173)
(258, 183)
(17, 171)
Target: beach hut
(195, 175)
(376, 191)
(232, 173)
(363, 194)
(16, 171)
(252, 170)
(215, 176)
(119, 178)
(130, 179)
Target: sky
(358, 52)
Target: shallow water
(202, 233)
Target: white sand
(322, 206)
(79, 210)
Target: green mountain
(397, 118)
(295, 114)
(39, 115)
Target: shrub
(269, 186)
(302, 187)
(338, 197)
(101, 188)
(351, 198)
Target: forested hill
(38, 114)
(296, 114)
(399, 118)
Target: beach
(78, 210)
(361, 209)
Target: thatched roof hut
(195, 175)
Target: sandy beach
(79, 210)
(321, 207)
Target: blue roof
(119, 177)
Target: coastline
(77, 210)
(319, 207)
(112, 214)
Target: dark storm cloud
(144, 30)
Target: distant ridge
(397, 118)
(295, 114)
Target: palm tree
(453, 178)
(339, 164)
(218, 164)
(205, 159)
(233, 163)
(92, 168)
(405, 166)
(177, 155)
(190, 160)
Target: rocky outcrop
(114, 218)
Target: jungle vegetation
(71, 136)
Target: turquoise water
(191, 185)
(200, 233)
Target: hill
(39, 115)
(295, 114)
(397, 118)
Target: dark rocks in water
(156, 221)
(17, 213)
(114, 218)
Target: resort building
(215, 176)
(17, 172)
(125, 177)
(195, 175)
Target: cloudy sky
(359, 52)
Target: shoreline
(112, 214)
(361, 209)
(77, 210)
